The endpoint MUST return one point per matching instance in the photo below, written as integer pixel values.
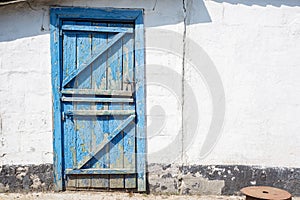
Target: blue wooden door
(98, 105)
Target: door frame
(57, 14)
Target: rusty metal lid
(265, 192)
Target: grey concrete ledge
(220, 179)
(20, 178)
(168, 179)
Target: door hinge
(63, 116)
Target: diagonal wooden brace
(108, 139)
(92, 59)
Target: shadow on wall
(24, 20)
(161, 13)
(276, 3)
(31, 19)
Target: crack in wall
(183, 74)
(0, 125)
(154, 6)
(184, 9)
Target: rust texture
(265, 192)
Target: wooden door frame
(57, 14)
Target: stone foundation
(219, 179)
(168, 179)
(19, 178)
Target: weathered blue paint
(69, 64)
(99, 112)
(80, 99)
(108, 139)
(129, 131)
(100, 171)
(91, 59)
(99, 82)
(97, 92)
(83, 81)
(55, 42)
(97, 29)
(107, 14)
(114, 82)
(96, 135)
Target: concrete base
(168, 179)
(219, 179)
(19, 178)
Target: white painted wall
(241, 85)
(255, 50)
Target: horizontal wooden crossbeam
(92, 59)
(107, 140)
(97, 92)
(97, 100)
(99, 112)
(97, 29)
(100, 171)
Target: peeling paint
(221, 179)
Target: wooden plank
(106, 129)
(129, 131)
(99, 82)
(97, 100)
(99, 66)
(97, 29)
(100, 171)
(107, 140)
(114, 63)
(69, 54)
(128, 63)
(140, 102)
(97, 92)
(83, 124)
(71, 181)
(56, 52)
(69, 64)
(96, 13)
(115, 79)
(99, 112)
(89, 60)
